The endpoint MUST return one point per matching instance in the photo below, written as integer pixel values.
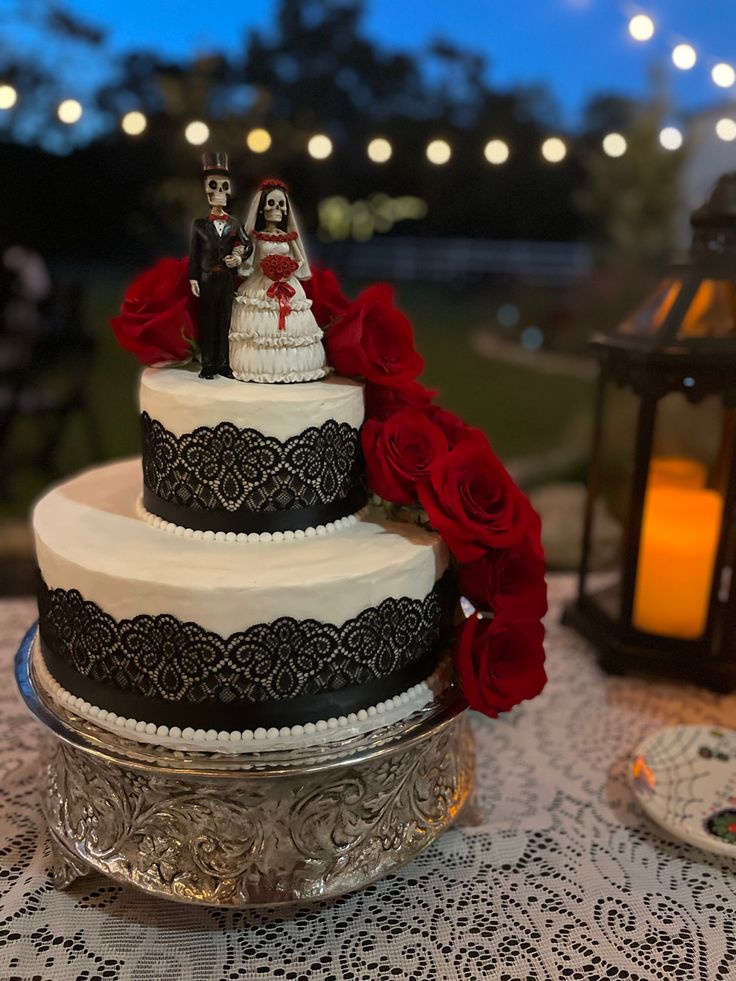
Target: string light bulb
(379, 150)
(319, 146)
(133, 123)
(554, 149)
(723, 75)
(641, 27)
(258, 140)
(614, 145)
(684, 57)
(496, 152)
(670, 138)
(726, 130)
(438, 152)
(69, 111)
(8, 96)
(197, 133)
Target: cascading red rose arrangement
(422, 457)
(419, 458)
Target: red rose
(374, 340)
(278, 267)
(382, 401)
(158, 317)
(499, 663)
(399, 452)
(472, 502)
(451, 425)
(327, 298)
(510, 582)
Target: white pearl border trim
(356, 723)
(253, 537)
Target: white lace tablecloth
(565, 877)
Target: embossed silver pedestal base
(256, 829)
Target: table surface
(564, 878)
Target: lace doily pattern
(227, 469)
(161, 657)
(563, 877)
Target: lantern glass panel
(683, 514)
(712, 312)
(650, 316)
(611, 492)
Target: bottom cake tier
(174, 640)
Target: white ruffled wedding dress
(265, 347)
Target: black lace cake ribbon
(155, 667)
(241, 715)
(245, 521)
(232, 479)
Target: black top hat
(214, 163)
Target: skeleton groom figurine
(219, 246)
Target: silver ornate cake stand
(255, 829)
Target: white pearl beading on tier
(252, 537)
(384, 713)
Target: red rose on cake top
(158, 319)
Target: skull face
(275, 207)
(217, 189)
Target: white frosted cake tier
(182, 402)
(197, 636)
(89, 538)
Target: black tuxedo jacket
(207, 249)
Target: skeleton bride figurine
(273, 334)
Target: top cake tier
(227, 456)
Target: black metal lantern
(663, 464)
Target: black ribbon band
(292, 519)
(240, 715)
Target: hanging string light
(684, 57)
(438, 152)
(670, 138)
(69, 111)
(8, 96)
(133, 123)
(614, 145)
(319, 146)
(723, 75)
(258, 140)
(726, 130)
(197, 133)
(554, 150)
(496, 152)
(641, 27)
(379, 150)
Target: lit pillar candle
(679, 538)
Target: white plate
(685, 779)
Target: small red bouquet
(279, 268)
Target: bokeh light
(684, 57)
(133, 123)
(554, 149)
(507, 315)
(726, 129)
(496, 152)
(532, 338)
(69, 111)
(8, 96)
(379, 150)
(438, 152)
(723, 75)
(670, 138)
(319, 146)
(641, 27)
(614, 145)
(258, 140)
(197, 133)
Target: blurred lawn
(524, 412)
